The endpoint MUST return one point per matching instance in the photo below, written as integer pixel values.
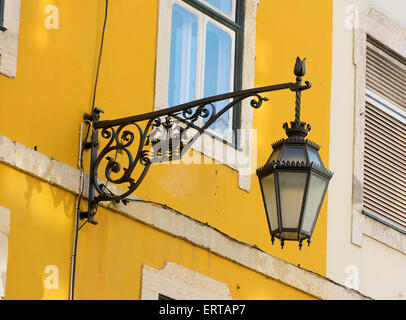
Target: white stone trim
(392, 35)
(44, 168)
(4, 233)
(39, 165)
(9, 38)
(244, 160)
(183, 227)
(179, 283)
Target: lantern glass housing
(293, 183)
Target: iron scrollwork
(159, 136)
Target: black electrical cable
(125, 201)
(98, 69)
(98, 72)
(73, 274)
(100, 54)
(82, 225)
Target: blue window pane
(217, 71)
(223, 5)
(294, 154)
(182, 73)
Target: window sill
(226, 142)
(376, 218)
(369, 225)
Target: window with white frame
(4, 232)
(175, 282)
(384, 187)
(205, 47)
(9, 29)
(206, 57)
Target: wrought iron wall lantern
(293, 181)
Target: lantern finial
(300, 67)
(297, 127)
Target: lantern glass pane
(290, 235)
(317, 186)
(275, 155)
(314, 157)
(291, 190)
(294, 154)
(268, 189)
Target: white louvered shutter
(384, 193)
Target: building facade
(196, 228)
(366, 229)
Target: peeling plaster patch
(177, 182)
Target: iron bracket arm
(163, 138)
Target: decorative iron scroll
(166, 136)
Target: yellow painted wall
(109, 256)
(41, 235)
(44, 105)
(287, 29)
(115, 271)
